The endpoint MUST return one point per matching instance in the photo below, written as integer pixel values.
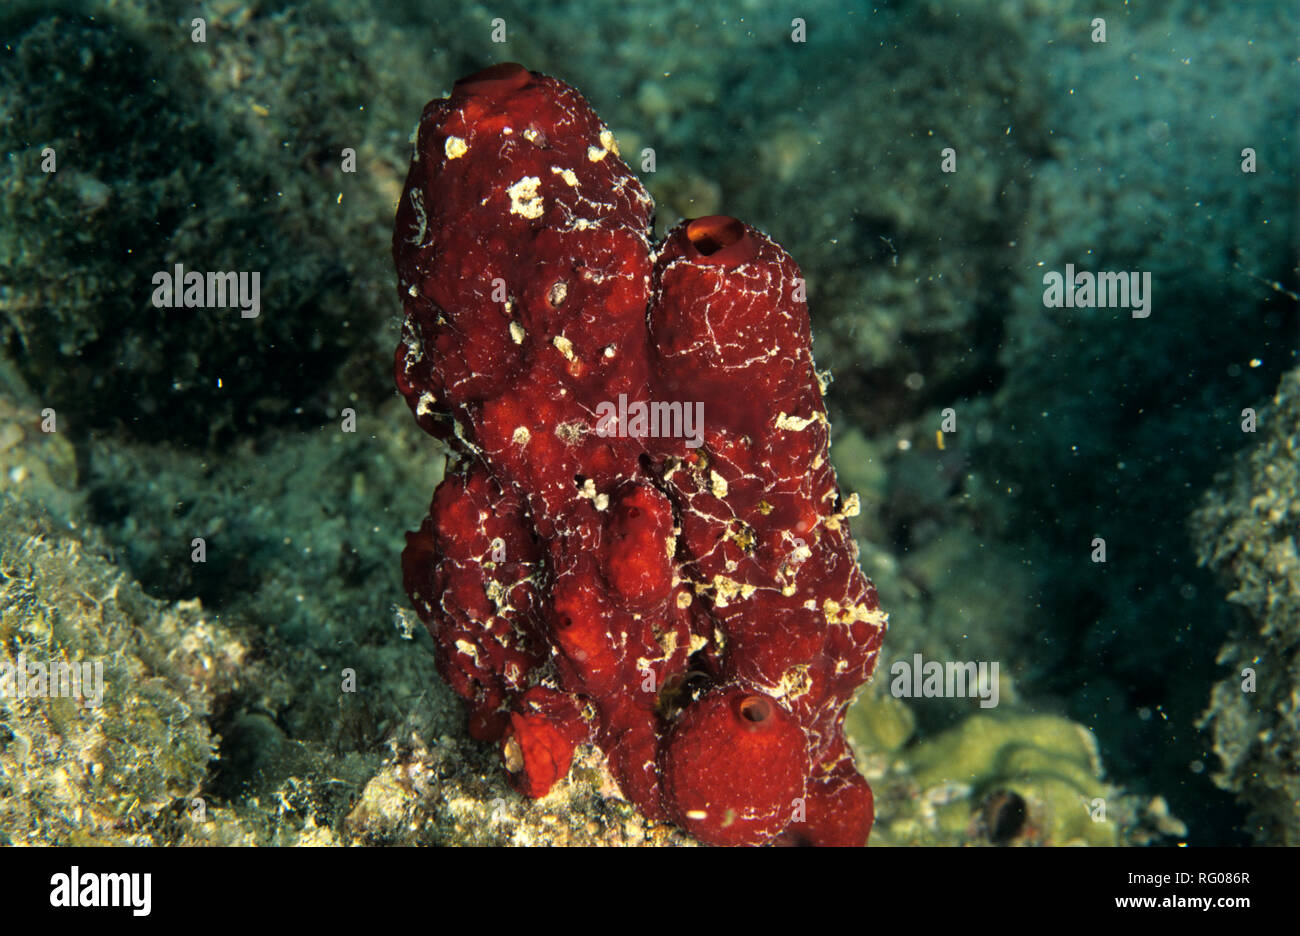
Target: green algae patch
(1049, 763)
(996, 779)
(878, 723)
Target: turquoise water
(926, 164)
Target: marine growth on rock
(643, 545)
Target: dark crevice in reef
(1122, 457)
